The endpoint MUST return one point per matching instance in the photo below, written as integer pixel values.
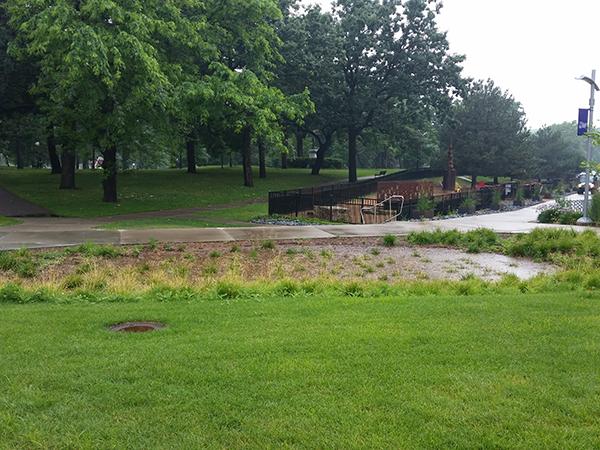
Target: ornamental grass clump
(389, 240)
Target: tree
(392, 53)
(21, 125)
(557, 151)
(101, 71)
(488, 133)
(311, 49)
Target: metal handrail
(382, 203)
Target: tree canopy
(371, 82)
(488, 132)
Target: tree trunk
(52, 153)
(67, 175)
(19, 154)
(109, 181)
(352, 154)
(191, 156)
(473, 181)
(230, 159)
(299, 144)
(495, 180)
(247, 156)
(124, 159)
(321, 152)
(262, 168)
(284, 160)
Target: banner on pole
(582, 123)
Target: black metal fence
(296, 201)
(364, 193)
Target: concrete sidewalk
(49, 232)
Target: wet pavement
(53, 232)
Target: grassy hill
(154, 190)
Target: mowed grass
(420, 372)
(154, 190)
(7, 221)
(225, 217)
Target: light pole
(585, 220)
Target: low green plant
(96, 250)
(550, 215)
(475, 241)
(496, 200)
(152, 244)
(267, 245)
(519, 197)
(559, 215)
(595, 209)
(73, 281)
(389, 240)
(234, 248)
(19, 262)
(214, 254)
(425, 204)
(468, 206)
(210, 269)
(548, 244)
(228, 290)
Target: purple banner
(582, 123)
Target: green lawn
(420, 372)
(226, 217)
(7, 221)
(152, 190)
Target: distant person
(99, 162)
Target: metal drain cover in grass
(137, 327)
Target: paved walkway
(56, 232)
(13, 206)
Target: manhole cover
(137, 327)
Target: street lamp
(585, 220)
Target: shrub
(595, 209)
(519, 197)
(549, 215)
(468, 206)
(228, 290)
(546, 244)
(90, 249)
(474, 241)
(389, 240)
(72, 281)
(287, 288)
(569, 217)
(267, 245)
(353, 289)
(20, 262)
(496, 199)
(559, 215)
(425, 204)
(11, 293)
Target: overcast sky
(533, 48)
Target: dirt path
(14, 206)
